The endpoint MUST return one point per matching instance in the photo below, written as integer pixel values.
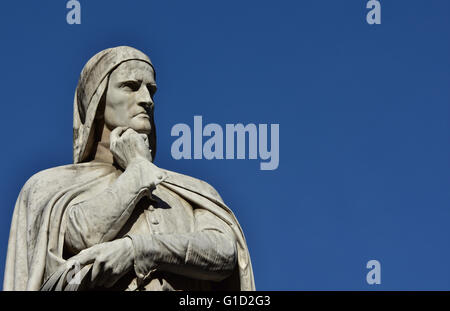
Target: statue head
(129, 97)
(115, 88)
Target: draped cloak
(36, 243)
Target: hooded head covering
(90, 91)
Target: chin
(142, 127)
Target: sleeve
(208, 253)
(100, 218)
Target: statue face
(129, 98)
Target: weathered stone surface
(113, 219)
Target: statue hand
(127, 145)
(110, 261)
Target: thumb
(84, 257)
(117, 132)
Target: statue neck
(102, 153)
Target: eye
(131, 85)
(152, 89)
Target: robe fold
(36, 243)
(36, 252)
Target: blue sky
(363, 111)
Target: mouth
(142, 115)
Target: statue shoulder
(47, 177)
(193, 184)
(53, 179)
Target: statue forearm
(206, 255)
(100, 219)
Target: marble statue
(113, 220)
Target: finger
(117, 132)
(97, 268)
(100, 279)
(128, 132)
(145, 137)
(83, 258)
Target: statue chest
(165, 213)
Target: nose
(144, 98)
